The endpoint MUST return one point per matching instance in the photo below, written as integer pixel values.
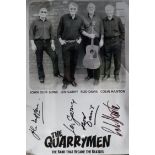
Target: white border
(13, 77)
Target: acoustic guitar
(91, 59)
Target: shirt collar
(42, 20)
(111, 19)
(71, 16)
(89, 16)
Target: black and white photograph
(77, 77)
(73, 45)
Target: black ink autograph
(85, 121)
(96, 114)
(33, 131)
(112, 120)
(36, 113)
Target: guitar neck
(92, 41)
(92, 31)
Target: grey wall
(57, 8)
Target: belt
(70, 41)
(43, 39)
(112, 38)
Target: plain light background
(13, 77)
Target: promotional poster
(77, 77)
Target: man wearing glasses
(69, 35)
(42, 39)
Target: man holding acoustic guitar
(93, 32)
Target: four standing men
(108, 32)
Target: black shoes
(108, 76)
(105, 77)
(87, 78)
(58, 76)
(74, 84)
(41, 80)
(117, 78)
(96, 82)
(64, 86)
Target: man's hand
(62, 42)
(91, 36)
(101, 43)
(33, 46)
(53, 46)
(79, 41)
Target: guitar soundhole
(93, 52)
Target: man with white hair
(93, 23)
(42, 39)
(69, 35)
(114, 34)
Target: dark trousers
(93, 73)
(45, 45)
(70, 56)
(112, 47)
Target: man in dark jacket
(113, 36)
(69, 35)
(93, 22)
(42, 39)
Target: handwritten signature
(33, 131)
(84, 123)
(37, 114)
(112, 122)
